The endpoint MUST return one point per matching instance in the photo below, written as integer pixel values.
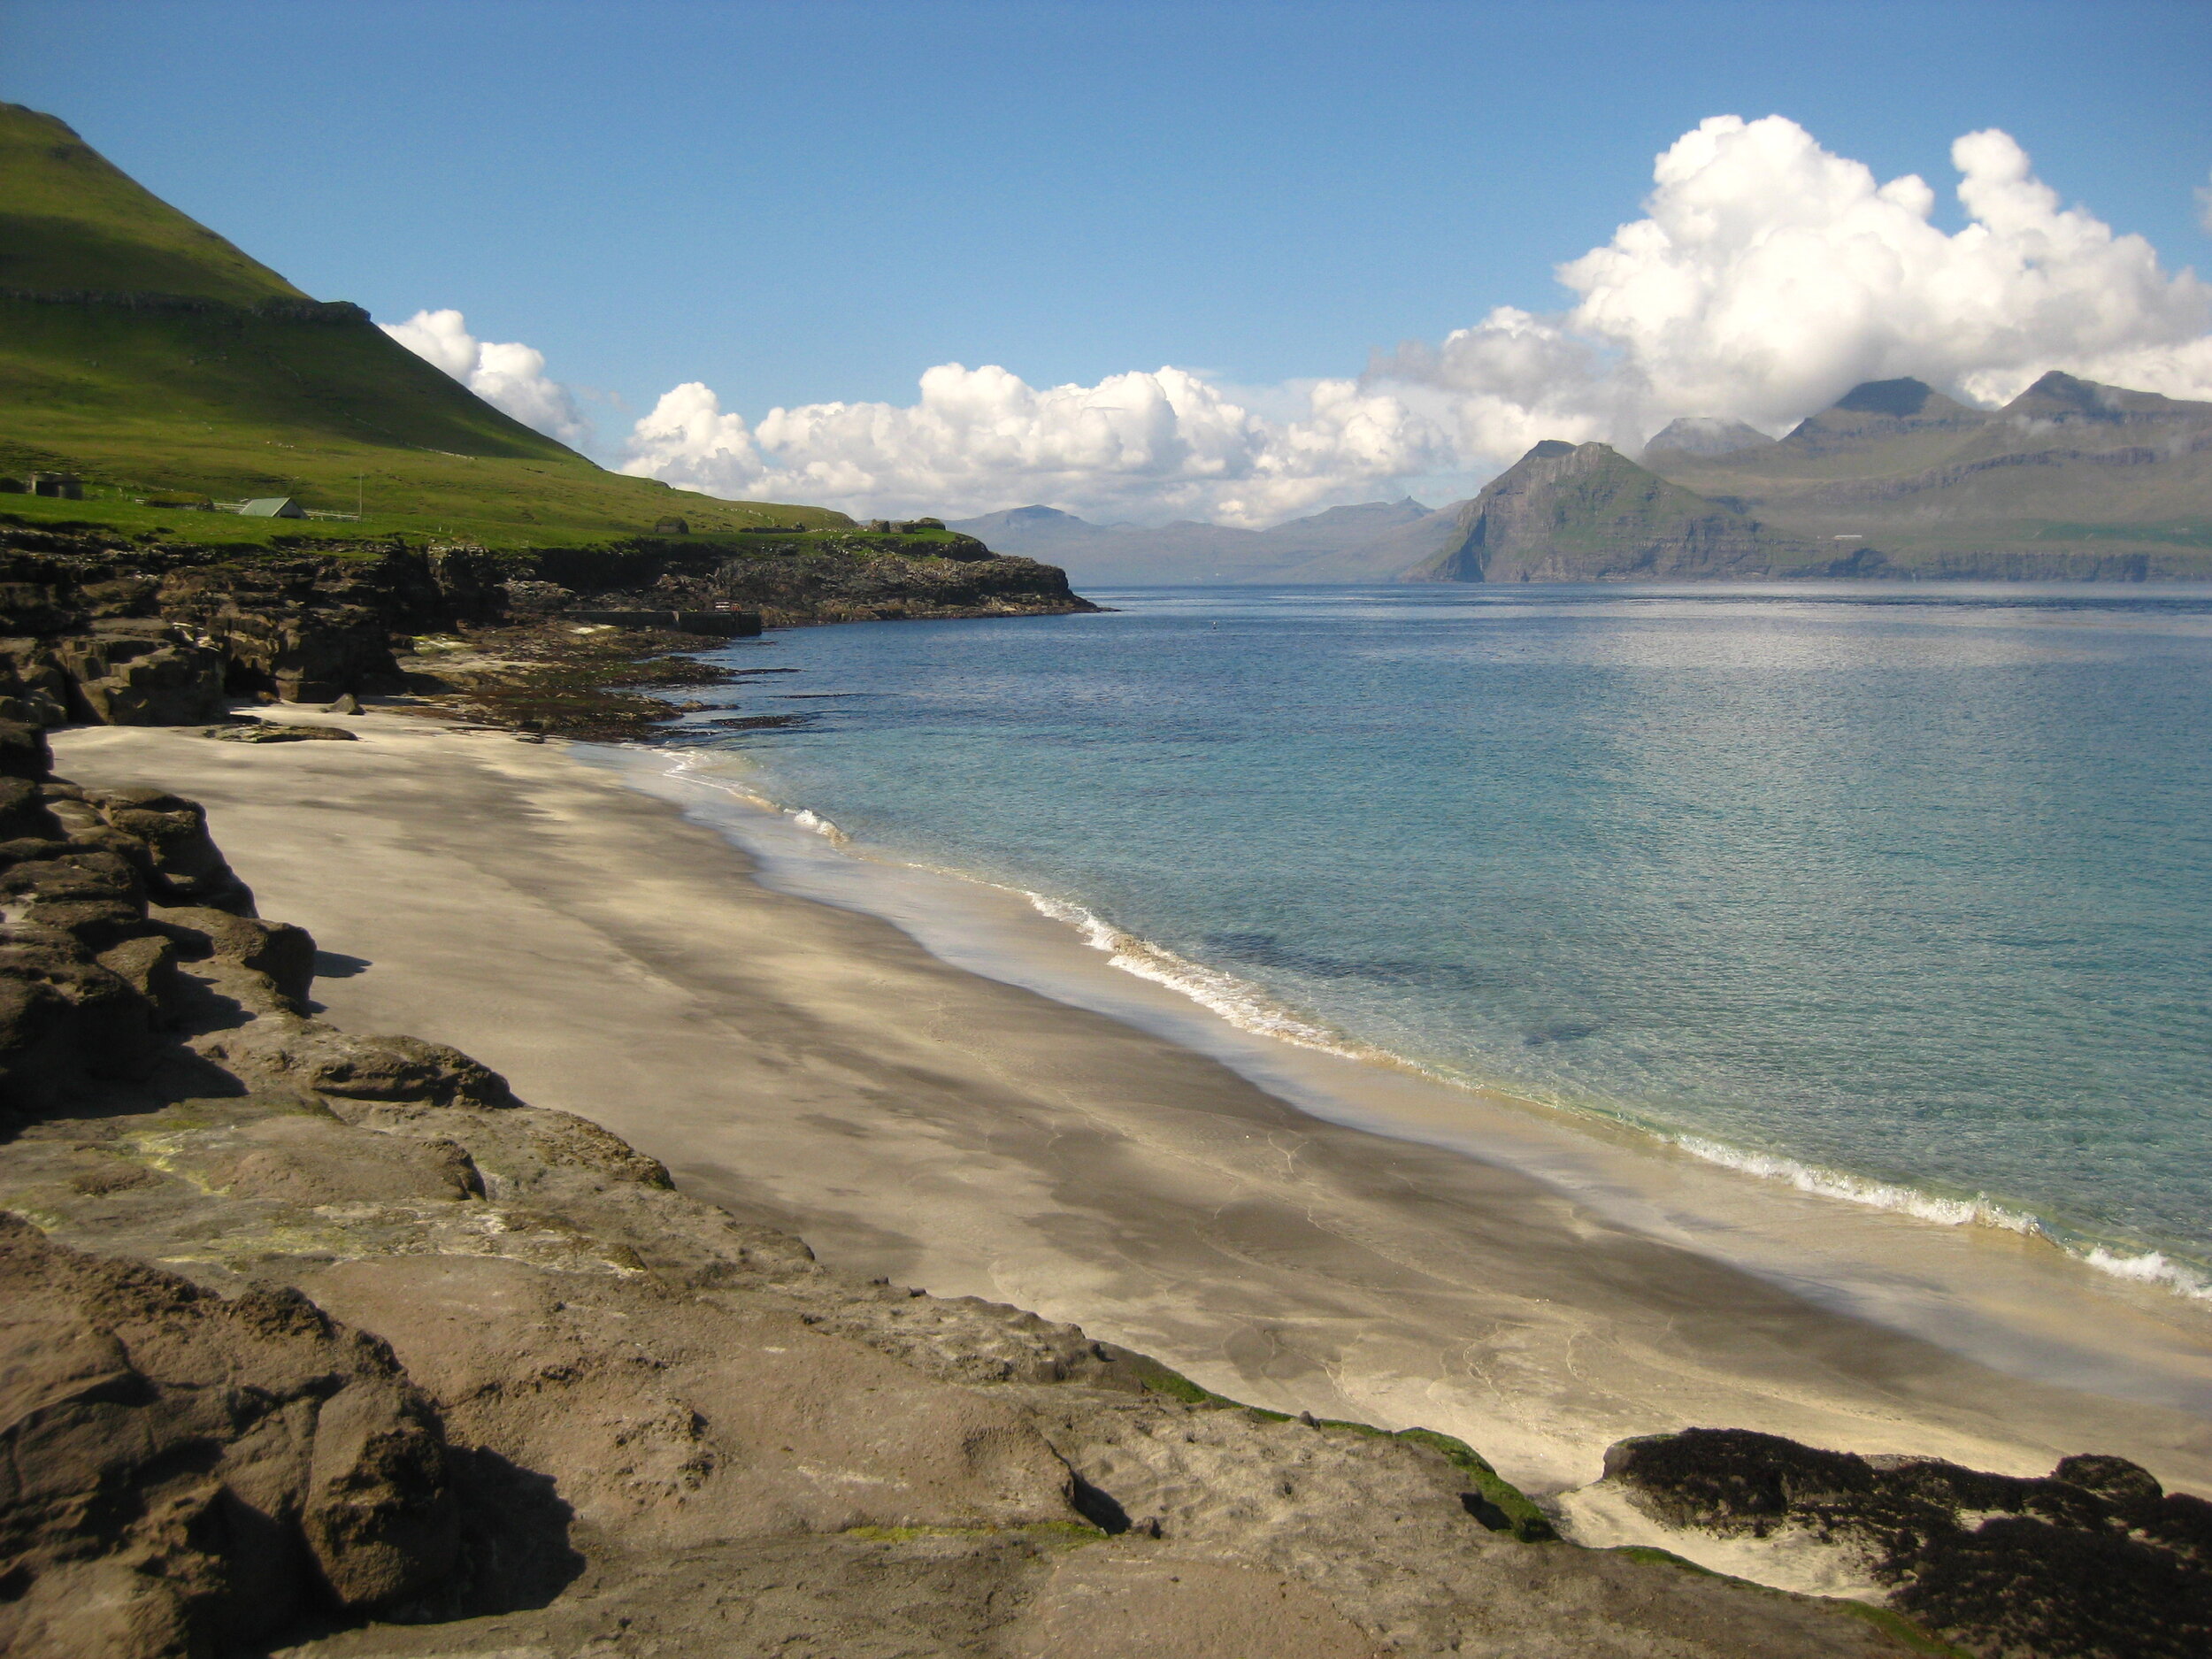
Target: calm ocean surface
(1905, 892)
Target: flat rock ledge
(324, 1344)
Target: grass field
(149, 357)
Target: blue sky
(793, 204)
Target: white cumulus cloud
(1766, 277)
(509, 376)
(1769, 276)
(1152, 444)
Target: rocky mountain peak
(1702, 437)
(1903, 397)
(2058, 396)
(1880, 408)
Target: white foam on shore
(2150, 1267)
(1250, 1009)
(1980, 1211)
(2153, 1267)
(820, 825)
(1241, 1003)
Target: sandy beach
(815, 1067)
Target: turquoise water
(1902, 892)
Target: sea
(1899, 895)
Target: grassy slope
(226, 402)
(70, 219)
(2074, 506)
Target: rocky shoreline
(94, 630)
(327, 1342)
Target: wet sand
(817, 1067)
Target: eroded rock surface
(188, 1473)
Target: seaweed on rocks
(2093, 1561)
(557, 679)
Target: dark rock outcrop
(2093, 1561)
(129, 634)
(87, 952)
(816, 587)
(188, 1474)
(794, 582)
(133, 672)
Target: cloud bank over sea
(1767, 277)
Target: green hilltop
(145, 354)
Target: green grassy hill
(144, 353)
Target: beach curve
(811, 1065)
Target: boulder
(188, 1475)
(2057, 1566)
(92, 893)
(23, 751)
(286, 1051)
(34, 689)
(67, 1020)
(23, 812)
(181, 862)
(283, 951)
(270, 731)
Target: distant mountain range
(1371, 542)
(2070, 480)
